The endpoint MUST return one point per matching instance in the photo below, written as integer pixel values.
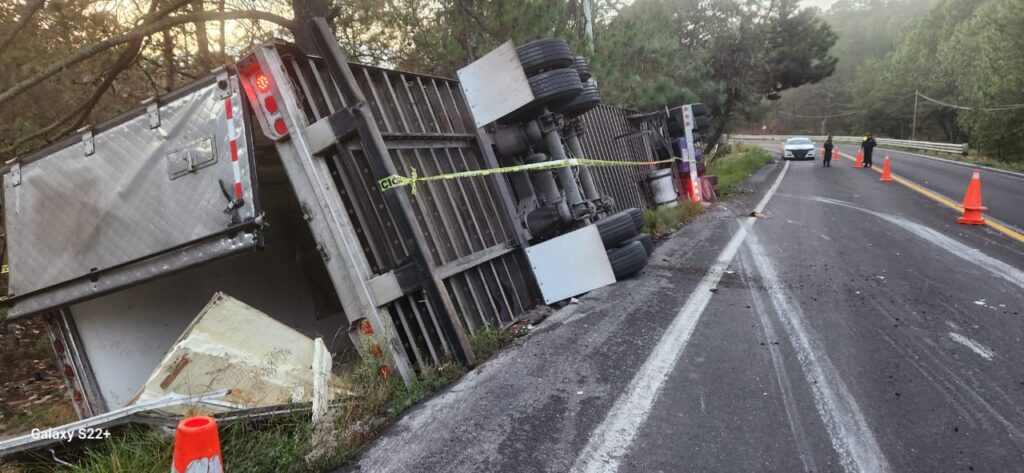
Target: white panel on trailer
(570, 264)
(495, 85)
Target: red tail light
(259, 88)
(261, 81)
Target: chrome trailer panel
(104, 211)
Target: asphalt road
(853, 327)
(1003, 193)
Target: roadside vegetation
(663, 221)
(732, 168)
(957, 62)
(368, 403)
(740, 163)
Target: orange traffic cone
(972, 202)
(197, 447)
(860, 159)
(886, 177)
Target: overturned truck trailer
(261, 181)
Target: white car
(798, 147)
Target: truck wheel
(582, 103)
(638, 217)
(645, 240)
(616, 229)
(556, 85)
(627, 259)
(583, 67)
(544, 54)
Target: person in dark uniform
(828, 152)
(868, 146)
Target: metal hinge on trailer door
(153, 111)
(87, 140)
(223, 86)
(15, 172)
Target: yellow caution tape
(5, 269)
(395, 181)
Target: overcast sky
(823, 4)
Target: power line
(981, 109)
(820, 116)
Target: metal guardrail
(954, 148)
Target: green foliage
(966, 52)
(487, 340)
(661, 222)
(429, 381)
(733, 168)
(728, 54)
(985, 56)
(867, 30)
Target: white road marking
(781, 375)
(982, 350)
(847, 428)
(611, 440)
(952, 246)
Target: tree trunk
(168, 53)
(723, 122)
(202, 40)
(304, 10)
(223, 34)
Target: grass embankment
(280, 444)
(740, 163)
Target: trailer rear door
(159, 189)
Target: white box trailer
(120, 235)
(261, 181)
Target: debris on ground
(231, 345)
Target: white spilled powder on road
(972, 255)
(782, 376)
(612, 439)
(847, 428)
(982, 350)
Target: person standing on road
(828, 152)
(868, 146)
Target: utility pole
(913, 127)
(589, 27)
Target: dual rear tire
(627, 249)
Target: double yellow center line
(993, 224)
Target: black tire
(645, 240)
(583, 67)
(580, 104)
(616, 229)
(550, 88)
(699, 109)
(638, 217)
(555, 86)
(627, 259)
(545, 54)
